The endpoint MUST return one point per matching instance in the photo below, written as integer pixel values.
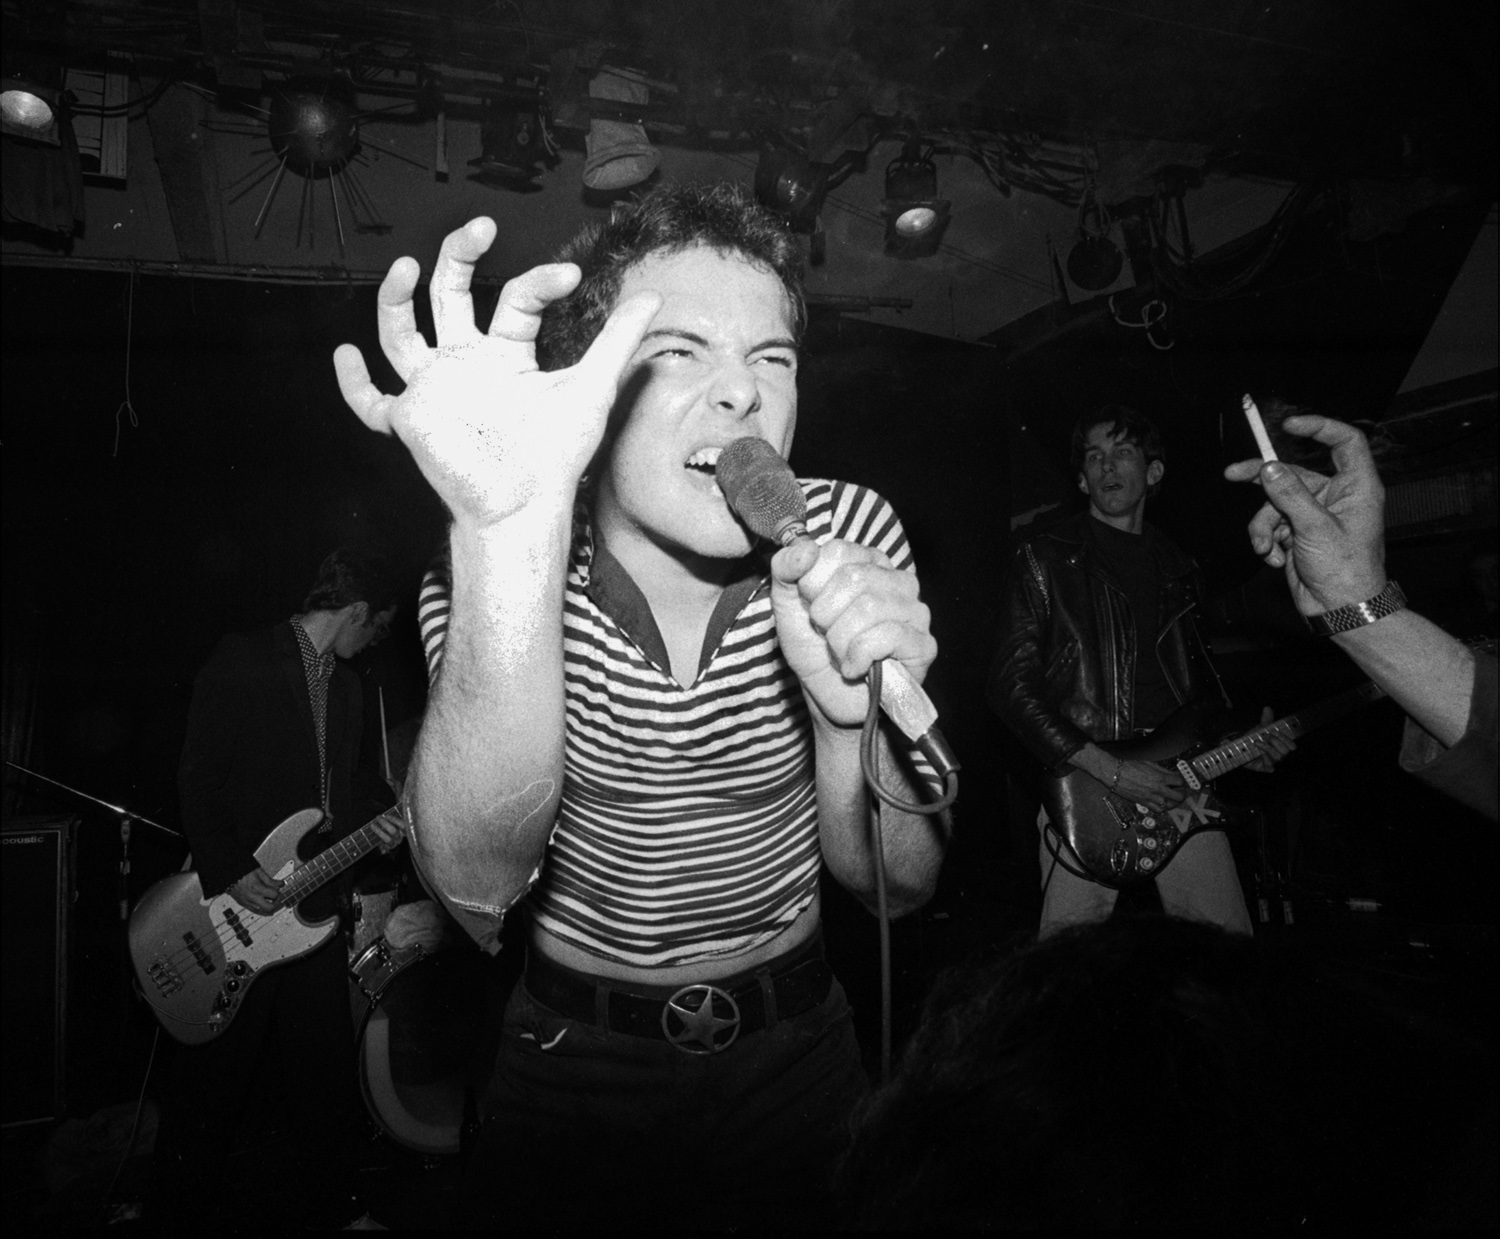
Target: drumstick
(385, 739)
(1258, 429)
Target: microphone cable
(869, 739)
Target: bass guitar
(196, 957)
(1117, 842)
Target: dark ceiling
(1300, 91)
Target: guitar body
(196, 958)
(1118, 842)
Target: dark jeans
(259, 1126)
(596, 1129)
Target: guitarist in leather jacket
(1098, 643)
(275, 728)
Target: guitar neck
(1235, 753)
(329, 863)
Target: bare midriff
(795, 934)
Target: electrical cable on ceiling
(125, 405)
(1198, 280)
(143, 102)
(1152, 314)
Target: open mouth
(703, 463)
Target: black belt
(702, 1018)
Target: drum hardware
(420, 1021)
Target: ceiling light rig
(31, 102)
(915, 217)
(314, 129)
(1095, 261)
(795, 187)
(619, 153)
(513, 140)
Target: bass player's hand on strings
(257, 890)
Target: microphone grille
(761, 488)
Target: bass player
(275, 728)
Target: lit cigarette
(1258, 428)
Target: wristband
(1357, 614)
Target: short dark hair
(1124, 423)
(724, 217)
(1150, 1072)
(347, 576)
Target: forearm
(913, 843)
(487, 771)
(1428, 673)
(1096, 762)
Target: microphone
(763, 491)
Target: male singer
(637, 723)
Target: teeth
(705, 456)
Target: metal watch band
(1357, 614)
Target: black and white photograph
(793, 615)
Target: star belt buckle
(701, 1019)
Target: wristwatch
(1357, 614)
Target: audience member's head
(1145, 1072)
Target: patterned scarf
(319, 671)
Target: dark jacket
(1065, 668)
(251, 755)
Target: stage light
(791, 186)
(511, 143)
(619, 152)
(1096, 262)
(312, 124)
(29, 110)
(915, 217)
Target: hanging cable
(125, 405)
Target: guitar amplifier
(36, 898)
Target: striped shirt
(687, 828)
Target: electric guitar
(196, 957)
(1117, 842)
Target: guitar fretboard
(1235, 753)
(328, 864)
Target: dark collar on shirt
(618, 596)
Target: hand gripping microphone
(763, 492)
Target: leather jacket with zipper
(1065, 668)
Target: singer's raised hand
(489, 430)
(839, 607)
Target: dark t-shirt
(1130, 559)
